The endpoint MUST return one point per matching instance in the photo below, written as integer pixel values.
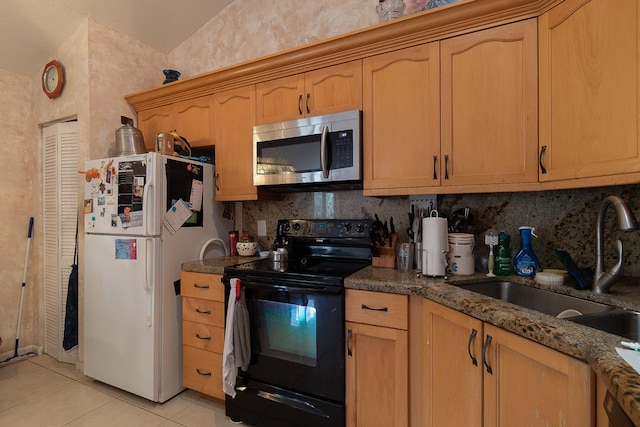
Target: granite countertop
(595, 347)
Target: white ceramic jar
(461, 257)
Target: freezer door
(122, 312)
(122, 195)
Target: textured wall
(17, 204)
(249, 29)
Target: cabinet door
(533, 385)
(589, 90)
(489, 106)
(452, 368)
(376, 376)
(323, 91)
(280, 100)
(333, 89)
(151, 122)
(234, 112)
(401, 104)
(194, 120)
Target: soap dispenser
(526, 262)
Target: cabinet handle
(307, 103)
(364, 307)
(484, 354)
(349, 335)
(542, 168)
(471, 337)
(435, 168)
(203, 373)
(203, 338)
(215, 181)
(195, 285)
(203, 312)
(446, 166)
(300, 104)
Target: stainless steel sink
(624, 323)
(537, 299)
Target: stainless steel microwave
(309, 152)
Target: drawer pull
(365, 307)
(203, 312)
(203, 373)
(471, 337)
(484, 354)
(209, 338)
(195, 285)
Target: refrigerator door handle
(145, 199)
(148, 276)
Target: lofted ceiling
(32, 30)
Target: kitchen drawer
(203, 311)
(202, 371)
(377, 308)
(201, 285)
(203, 336)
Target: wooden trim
(435, 24)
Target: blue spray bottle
(526, 262)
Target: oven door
(297, 355)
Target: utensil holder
(387, 258)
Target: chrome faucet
(603, 280)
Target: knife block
(387, 258)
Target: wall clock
(53, 79)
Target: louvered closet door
(60, 210)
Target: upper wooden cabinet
(233, 138)
(323, 91)
(489, 102)
(590, 93)
(458, 115)
(401, 109)
(192, 119)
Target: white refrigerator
(136, 238)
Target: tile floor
(40, 391)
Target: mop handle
(24, 281)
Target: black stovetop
(316, 270)
(319, 251)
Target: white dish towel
(229, 369)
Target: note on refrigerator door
(176, 216)
(195, 198)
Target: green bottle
(502, 266)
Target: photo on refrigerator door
(131, 180)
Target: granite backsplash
(564, 219)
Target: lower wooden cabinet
(202, 332)
(476, 374)
(377, 359)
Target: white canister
(461, 257)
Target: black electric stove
(295, 310)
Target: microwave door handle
(323, 152)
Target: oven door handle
(330, 290)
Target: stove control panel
(334, 228)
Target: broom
(24, 281)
